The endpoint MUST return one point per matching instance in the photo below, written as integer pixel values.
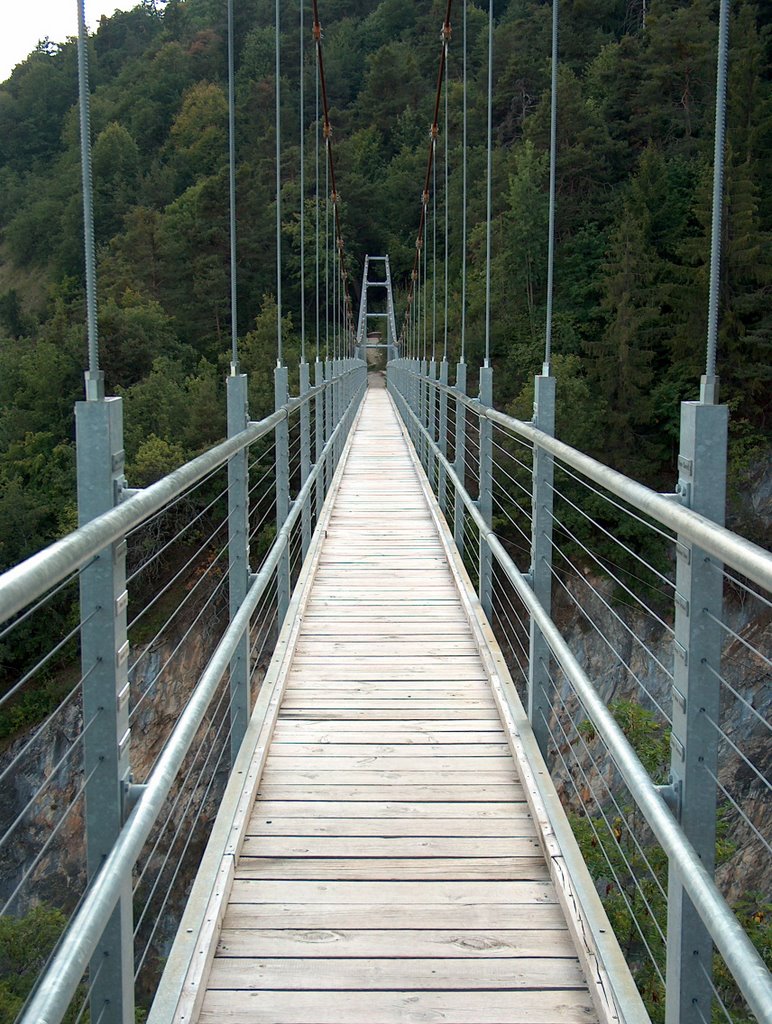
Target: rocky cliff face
(638, 672)
(162, 678)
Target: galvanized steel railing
(590, 541)
(209, 564)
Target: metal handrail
(739, 953)
(32, 578)
(60, 982)
(742, 555)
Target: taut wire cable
(553, 179)
(709, 389)
(279, 347)
(232, 191)
(88, 194)
(489, 190)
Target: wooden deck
(391, 869)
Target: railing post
(336, 400)
(281, 395)
(431, 423)
(319, 433)
(238, 555)
(423, 411)
(485, 494)
(443, 434)
(329, 398)
(305, 455)
(539, 685)
(104, 658)
(696, 693)
(460, 459)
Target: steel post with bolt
(431, 422)
(281, 395)
(539, 685)
(238, 555)
(696, 695)
(305, 455)
(485, 492)
(104, 658)
(329, 396)
(460, 456)
(443, 434)
(319, 433)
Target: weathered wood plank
(385, 846)
(473, 751)
(381, 777)
(440, 944)
(391, 763)
(404, 1007)
(344, 713)
(395, 916)
(437, 793)
(330, 808)
(417, 728)
(372, 975)
(307, 732)
(395, 828)
(395, 869)
(369, 892)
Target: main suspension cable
(445, 36)
(334, 195)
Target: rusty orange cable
(334, 195)
(445, 36)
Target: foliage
(630, 869)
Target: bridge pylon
(366, 314)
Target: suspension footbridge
(389, 859)
(336, 751)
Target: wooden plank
(329, 808)
(403, 671)
(384, 846)
(397, 687)
(372, 892)
(395, 869)
(418, 727)
(390, 713)
(390, 763)
(474, 696)
(473, 751)
(438, 793)
(376, 777)
(305, 733)
(406, 1007)
(378, 974)
(392, 917)
(521, 826)
(436, 943)
(352, 647)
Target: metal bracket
(671, 794)
(676, 495)
(528, 578)
(123, 492)
(131, 794)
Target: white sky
(31, 20)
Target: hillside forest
(636, 111)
